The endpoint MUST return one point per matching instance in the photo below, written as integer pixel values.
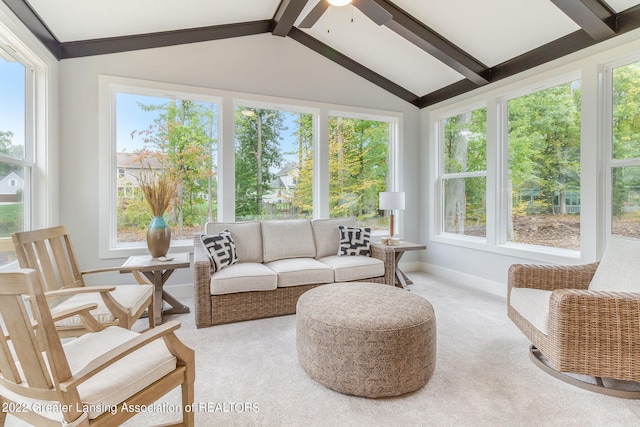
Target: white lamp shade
(339, 2)
(392, 200)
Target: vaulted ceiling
(428, 51)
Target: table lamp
(391, 200)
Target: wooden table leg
(400, 276)
(158, 278)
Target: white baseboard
(494, 288)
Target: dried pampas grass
(158, 189)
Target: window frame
(607, 134)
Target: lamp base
(390, 241)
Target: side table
(157, 272)
(399, 251)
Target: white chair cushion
(301, 271)
(533, 305)
(116, 383)
(247, 237)
(243, 277)
(350, 268)
(130, 296)
(619, 269)
(327, 235)
(287, 239)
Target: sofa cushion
(301, 271)
(221, 249)
(287, 239)
(619, 269)
(327, 235)
(246, 235)
(243, 277)
(354, 240)
(350, 268)
(533, 305)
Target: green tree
(303, 194)
(181, 139)
(258, 136)
(358, 167)
(544, 144)
(7, 148)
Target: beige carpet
(248, 375)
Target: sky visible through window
(12, 111)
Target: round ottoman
(366, 339)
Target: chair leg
(537, 358)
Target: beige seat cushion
(619, 269)
(243, 277)
(533, 305)
(301, 271)
(327, 235)
(130, 296)
(287, 239)
(246, 235)
(350, 268)
(116, 383)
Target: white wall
(263, 64)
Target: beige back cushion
(327, 235)
(287, 239)
(619, 269)
(246, 235)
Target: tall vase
(158, 237)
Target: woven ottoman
(366, 339)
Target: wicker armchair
(583, 324)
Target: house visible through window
(15, 152)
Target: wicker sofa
(277, 262)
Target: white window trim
(227, 101)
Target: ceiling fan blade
(373, 10)
(315, 14)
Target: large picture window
(544, 167)
(176, 136)
(16, 150)
(624, 128)
(358, 168)
(273, 164)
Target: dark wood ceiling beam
(435, 45)
(594, 16)
(627, 20)
(32, 21)
(162, 39)
(353, 66)
(286, 15)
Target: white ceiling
(490, 31)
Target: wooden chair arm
(78, 290)
(89, 322)
(551, 277)
(109, 358)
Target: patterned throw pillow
(221, 250)
(354, 240)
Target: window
(359, 168)
(464, 164)
(624, 128)
(544, 167)
(170, 135)
(16, 164)
(273, 164)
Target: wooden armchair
(583, 319)
(87, 380)
(49, 251)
